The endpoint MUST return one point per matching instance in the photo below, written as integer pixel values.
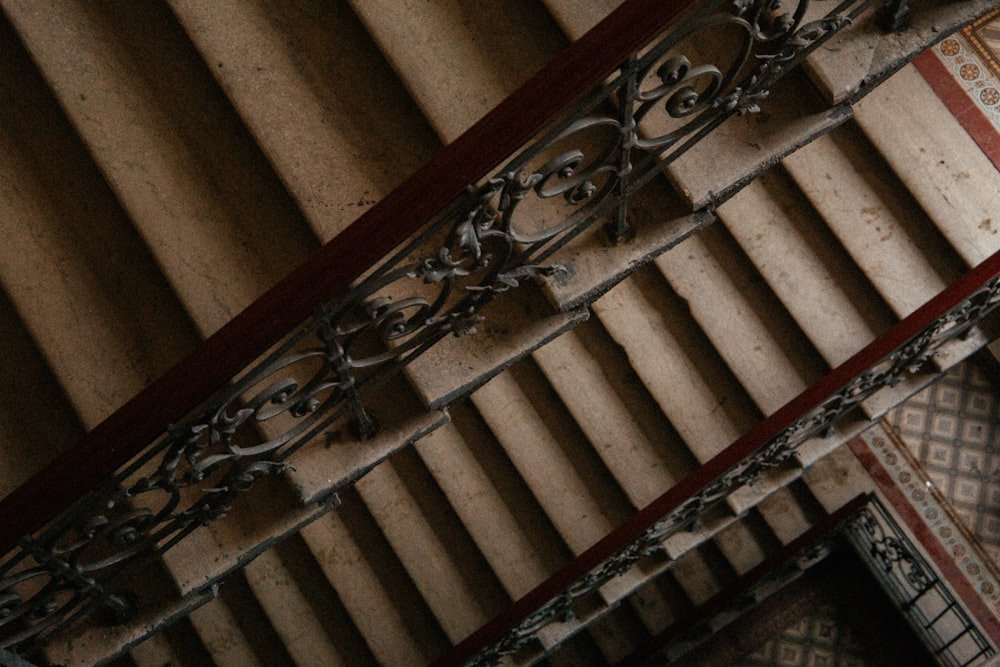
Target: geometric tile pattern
(952, 428)
(821, 638)
(972, 57)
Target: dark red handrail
(335, 266)
(633, 528)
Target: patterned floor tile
(953, 430)
(821, 639)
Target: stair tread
(218, 628)
(821, 288)
(740, 546)
(338, 457)
(93, 298)
(709, 412)
(378, 609)
(953, 180)
(751, 143)
(872, 218)
(837, 479)
(218, 247)
(545, 463)
(445, 52)
(509, 535)
(457, 365)
(743, 321)
(329, 113)
(37, 422)
(696, 577)
(293, 618)
(575, 18)
(605, 417)
(428, 549)
(863, 53)
(785, 514)
(154, 652)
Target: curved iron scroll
(579, 171)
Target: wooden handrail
(332, 269)
(688, 487)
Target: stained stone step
(744, 321)
(37, 422)
(744, 543)
(171, 149)
(218, 628)
(704, 403)
(154, 652)
(621, 422)
(837, 479)
(329, 114)
(576, 19)
(381, 601)
(876, 221)
(863, 54)
(552, 457)
(936, 160)
(309, 620)
(789, 512)
(446, 53)
(492, 502)
(432, 545)
(791, 116)
(87, 290)
(805, 267)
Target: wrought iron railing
(917, 590)
(903, 350)
(574, 144)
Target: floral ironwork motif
(579, 171)
(912, 583)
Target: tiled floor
(822, 638)
(953, 430)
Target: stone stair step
(155, 651)
(837, 479)
(791, 117)
(742, 318)
(745, 543)
(90, 294)
(235, 630)
(699, 573)
(875, 220)
(576, 19)
(936, 160)
(552, 457)
(37, 421)
(338, 457)
(789, 511)
(705, 404)
(804, 266)
(617, 633)
(496, 508)
(455, 366)
(313, 627)
(446, 53)
(431, 544)
(622, 423)
(171, 148)
(329, 114)
(863, 54)
(382, 602)
(258, 520)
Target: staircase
(162, 165)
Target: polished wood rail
(332, 269)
